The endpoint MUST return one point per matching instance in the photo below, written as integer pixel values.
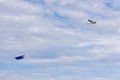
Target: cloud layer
(56, 40)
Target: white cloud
(51, 79)
(37, 31)
(63, 59)
(28, 27)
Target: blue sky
(56, 40)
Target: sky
(57, 42)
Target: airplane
(20, 57)
(91, 22)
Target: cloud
(55, 32)
(64, 59)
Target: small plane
(20, 57)
(91, 22)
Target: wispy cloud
(54, 33)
